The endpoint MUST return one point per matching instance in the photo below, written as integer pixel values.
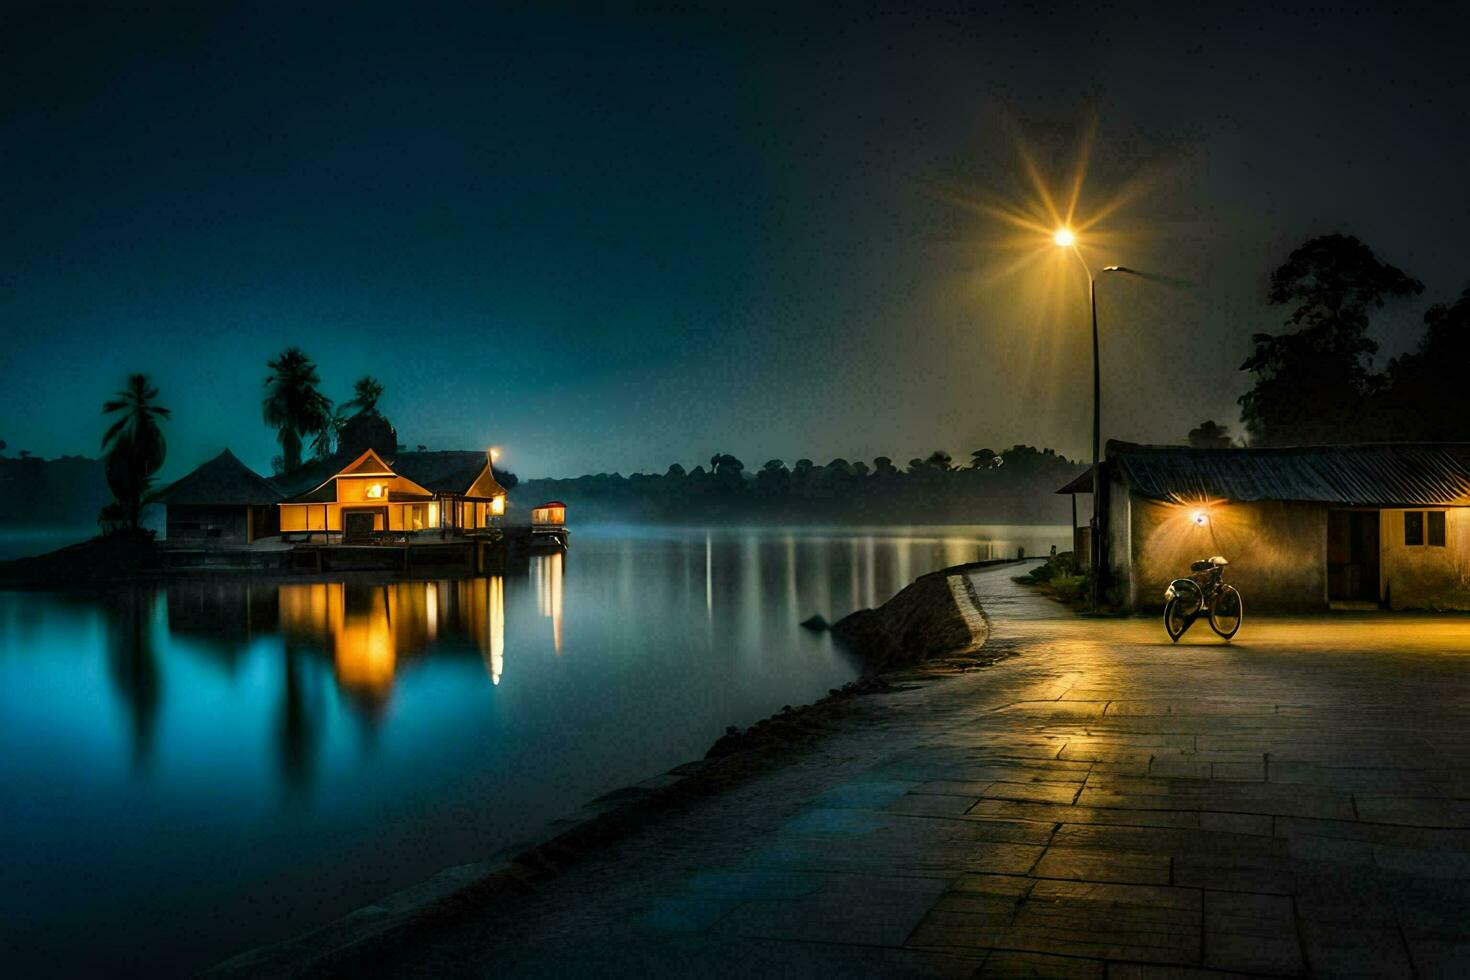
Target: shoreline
(738, 755)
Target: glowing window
(375, 491)
(497, 505)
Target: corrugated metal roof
(1384, 475)
(223, 481)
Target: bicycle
(1203, 593)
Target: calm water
(204, 766)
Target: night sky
(608, 241)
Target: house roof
(1380, 474)
(1083, 483)
(223, 480)
(450, 471)
(308, 476)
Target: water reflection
(371, 632)
(281, 752)
(132, 664)
(546, 578)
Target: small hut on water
(222, 503)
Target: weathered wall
(1277, 550)
(1425, 576)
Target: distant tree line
(1016, 485)
(1315, 383)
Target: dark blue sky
(614, 240)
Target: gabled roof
(451, 471)
(1379, 474)
(368, 464)
(222, 481)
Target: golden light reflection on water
(546, 578)
(370, 631)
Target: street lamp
(1065, 238)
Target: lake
(205, 765)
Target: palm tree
(134, 445)
(366, 391)
(293, 406)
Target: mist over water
(197, 767)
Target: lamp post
(1065, 238)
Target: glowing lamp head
(1200, 518)
(1064, 238)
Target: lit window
(375, 491)
(1413, 527)
(1435, 521)
(497, 505)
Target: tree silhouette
(1416, 402)
(293, 406)
(366, 391)
(1311, 382)
(938, 461)
(133, 445)
(984, 459)
(1210, 435)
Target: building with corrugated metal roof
(1313, 527)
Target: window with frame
(1413, 527)
(1424, 528)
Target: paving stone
(1414, 811)
(686, 913)
(1251, 933)
(755, 884)
(1163, 840)
(859, 909)
(1091, 864)
(1422, 862)
(1439, 958)
(930, 805)
(1245, 771)
(1335, 850)
(1359, 952)
(869, 794)
(1178, 769)
(1022, 810)
(1032, 792)
(1258, 824)
(1005, 964)
(833, 822)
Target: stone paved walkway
(1102, 804)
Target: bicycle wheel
(1177, 619)
(1226, 612)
